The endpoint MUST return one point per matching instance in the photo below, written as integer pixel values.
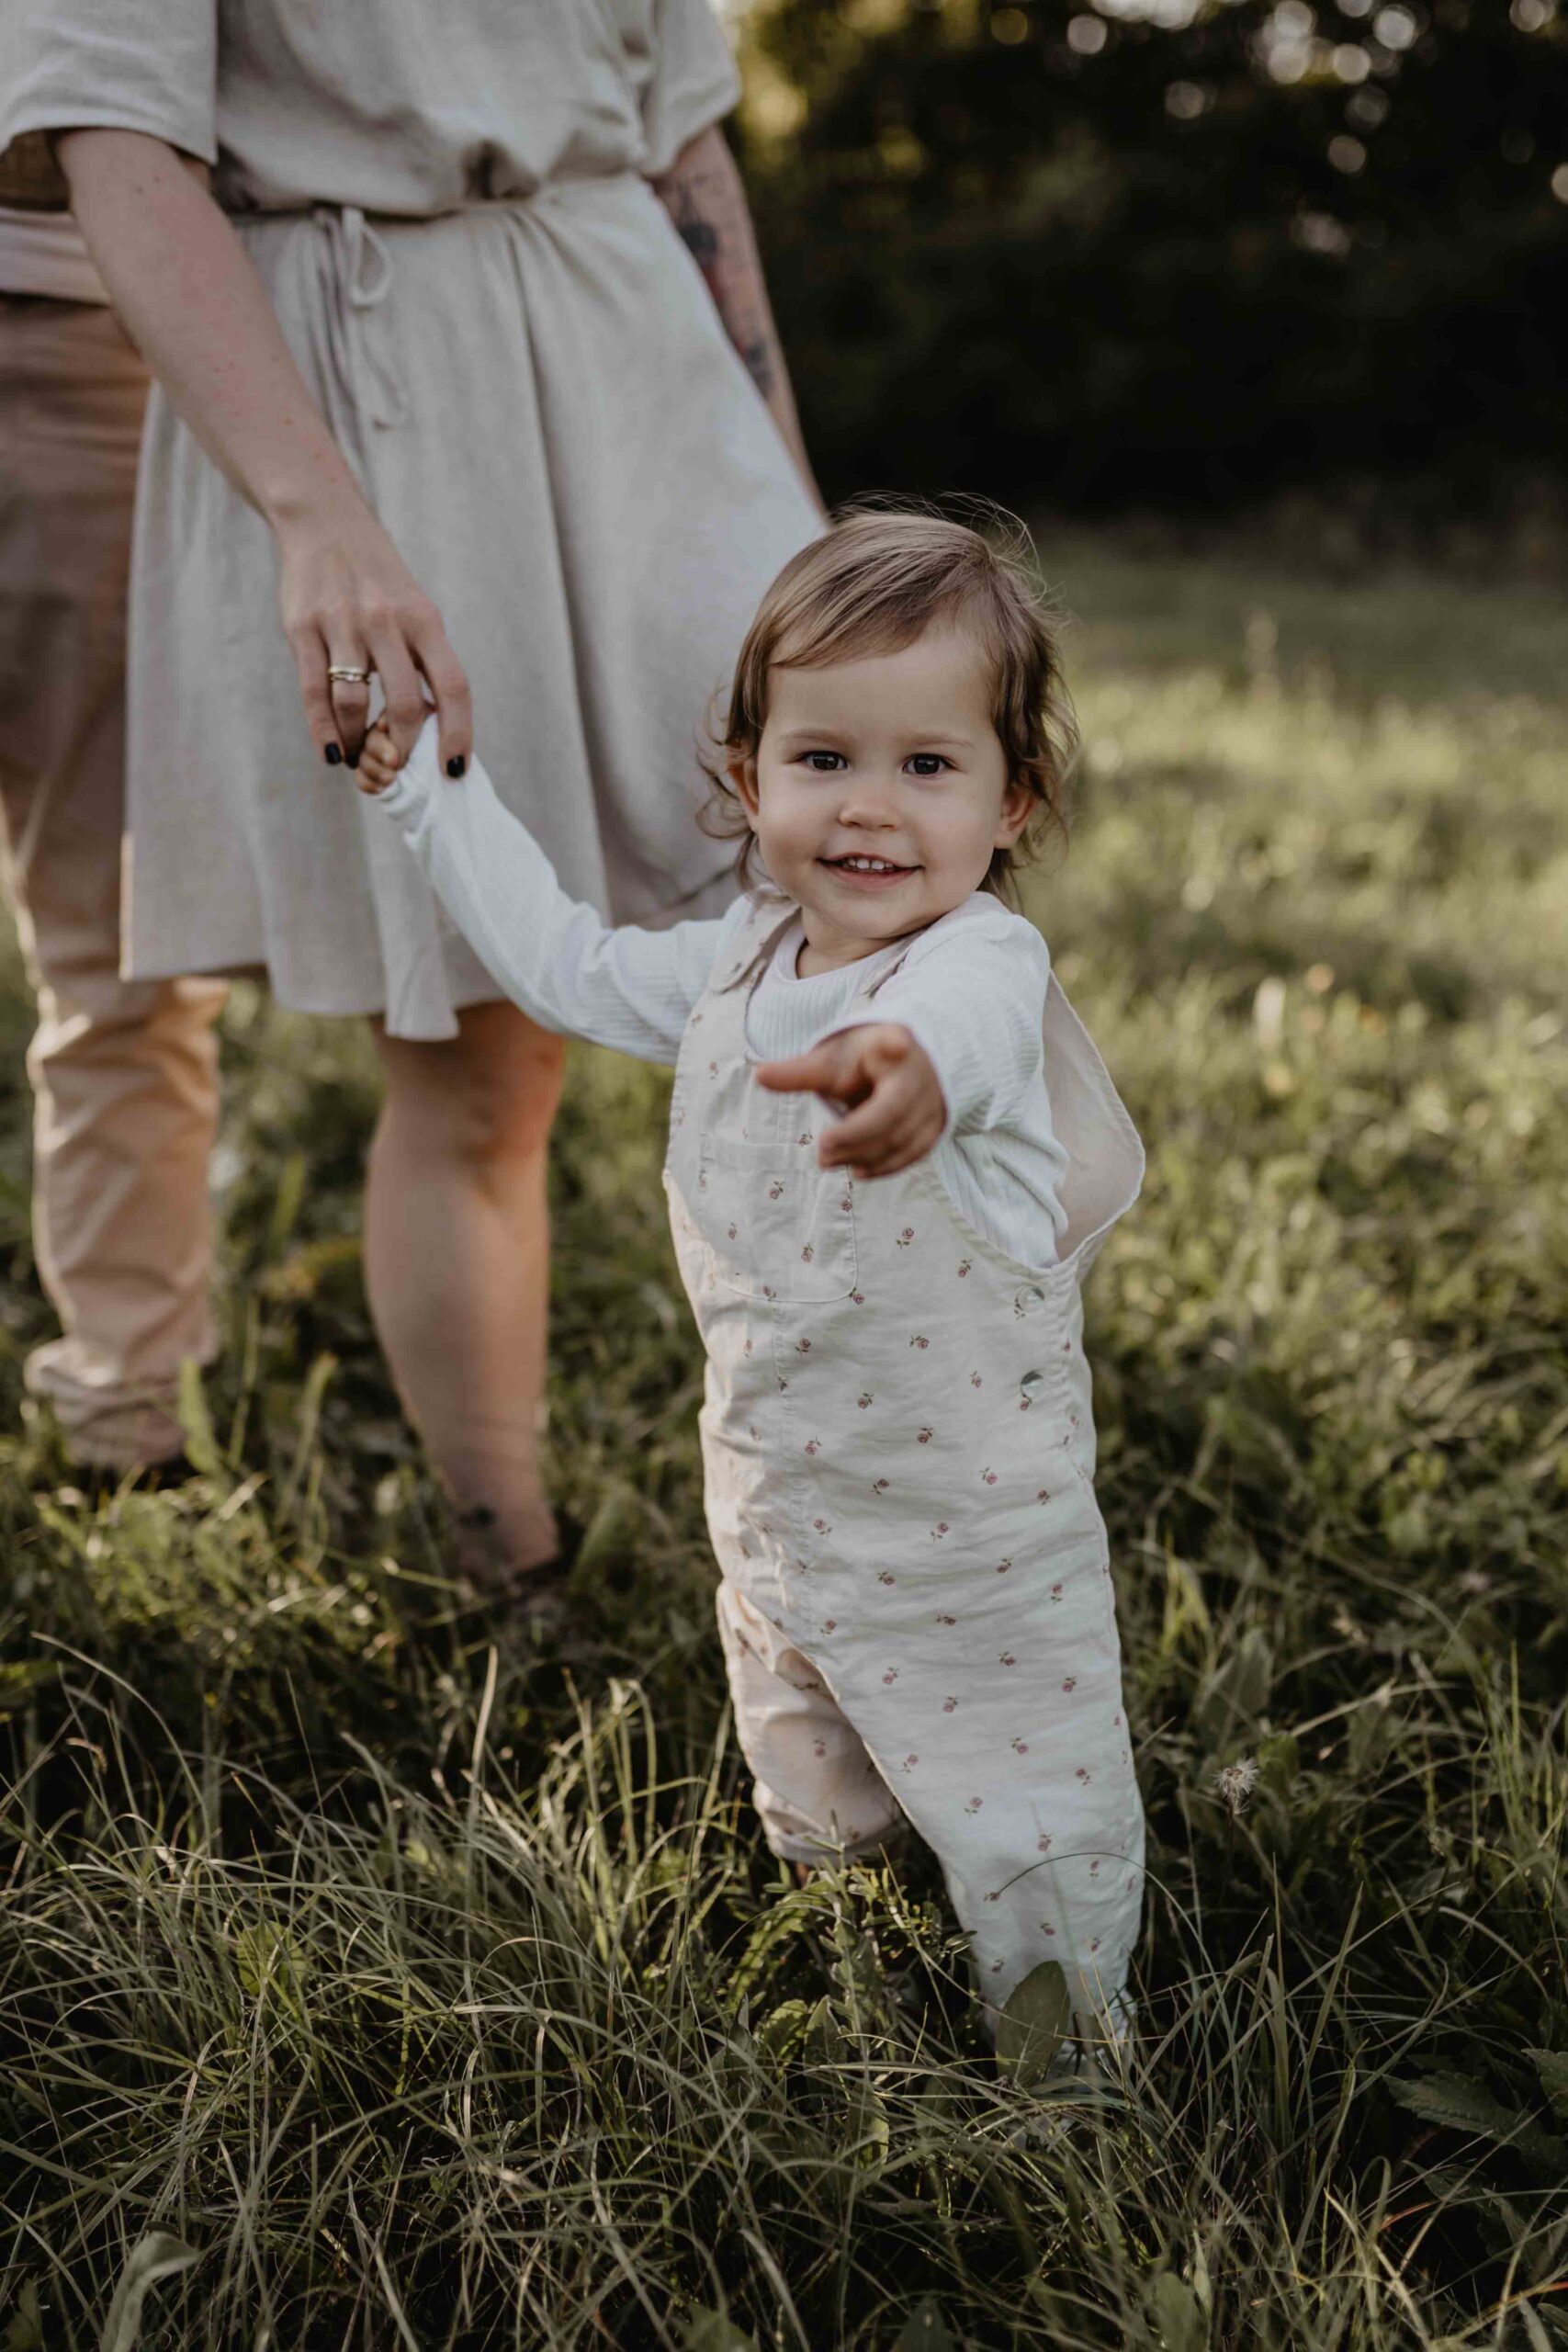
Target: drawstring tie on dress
(362, 278)
(360, 275)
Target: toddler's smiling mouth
(858, 867)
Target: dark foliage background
(1143, 253)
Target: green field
(435, 1994)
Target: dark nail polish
(457, 767)
(353, 759)
(333, 756)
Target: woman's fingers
(448, 684)
(350, 702)
(348, 602)
(402, 707)
(400, 655)
(309, 649)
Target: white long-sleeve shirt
(971, 990)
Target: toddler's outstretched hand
(888, 1086)
(379, 761)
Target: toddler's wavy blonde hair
(879, 577)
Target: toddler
(915, 1602)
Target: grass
(367, 1979)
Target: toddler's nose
(869, 802)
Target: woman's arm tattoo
(698, 235)
(703, 194)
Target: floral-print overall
(916, 1605)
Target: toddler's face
(879, 791)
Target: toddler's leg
(1023, 1786)
(818, 1792)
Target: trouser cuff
(105, 1429)
(821, 1853)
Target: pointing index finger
(809, 1073)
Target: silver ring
(347, 677)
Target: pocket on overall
(779, 1227)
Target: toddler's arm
(631, 989)
(952, 1043)
(882, 1084)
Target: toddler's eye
(928, 762)
(824, 763)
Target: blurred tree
(1116, 251)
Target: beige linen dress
(449, 206)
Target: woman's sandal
(536, 1598)
(540, 1600)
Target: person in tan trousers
(124, 1073)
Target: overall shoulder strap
(886, 963)
(1105, 1161)
(768, 914)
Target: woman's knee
(484, 1101)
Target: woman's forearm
(193, 305)
(703, 194)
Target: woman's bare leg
(457, 1263)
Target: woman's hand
(349, 602)
(888, 1085)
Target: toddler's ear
(743, 776)
(1017, 806)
